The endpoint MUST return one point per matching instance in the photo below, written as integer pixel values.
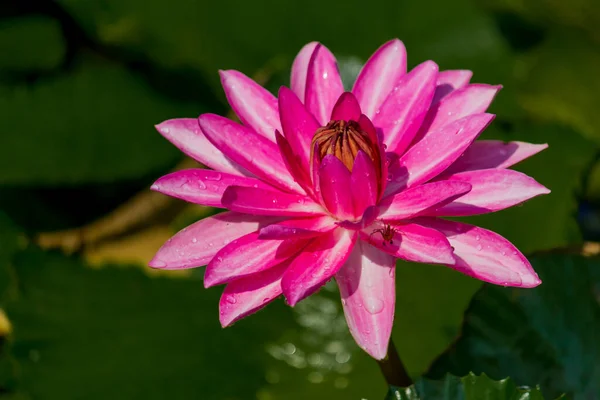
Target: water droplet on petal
(194, 240)
(231, 299)
(374, 305)
(478, 238)
(479, 247)
(200, 184)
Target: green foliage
(30, 44)
(557, 84)
(202, 35)
(546, 336)
(115, 333)
(470, 387)
(92, 125)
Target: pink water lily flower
(321, 183)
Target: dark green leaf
(93, 125)
(30, 44)
(471, 387)
(546, 336)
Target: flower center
(343, 139)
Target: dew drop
(231, 299)
(194, 240)
(200, 184)
(479, 247)
(255, 185)
(215, 177)
(478, 238)
(166, 130)
(374, 305)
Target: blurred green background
(82, 82)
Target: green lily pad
(546, 336)
(470, 387)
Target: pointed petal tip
(377, 351)
(157, 263)
(155, 187)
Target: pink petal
(436, 152)
(485, 255)
(346, 108)
(419, 199)
(264, 202)
(493, 190)
(405, 108)
(448, 81)
(202, 186)
(457, 78)
(298, 228)
(247, 295)
(299, 125)
(368, 290)
(293, 164)
(473, 99)
(323, 84)
(248, 255)
(363, 183)
(254, 105)
(484, 154)
(412, 242)
(318, 262)
(315, 167)
(252, 151)
(379, 75)
(300, 70)
(186, 135)
(197, 244)
(336, 187)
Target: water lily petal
(485, 255)
(323, 84)
(484, 154)
(298, 228)
(264, 202)
(346, 108)
(379, 75)
(412, 242)
(299, 125)
(186, 135)
(248, 255)
(493, 190)
(421, 198)
(202, 186)
(300, 70)
(363, 183)
(436, 152)
(449, 81)
(316, 264)
(294, 165)
(254, 105)
(403, 111)
(247, 148)
(197, 244)
(368, 290)
(245, 296)
(473, 99)
(335, 183)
